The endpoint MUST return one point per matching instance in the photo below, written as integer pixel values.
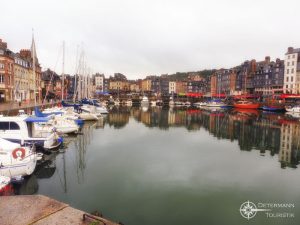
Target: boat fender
(18, 153)
(60, 139)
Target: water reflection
(118, 117)
(267, 132)
(270, 133)
(138, 165)
(81, 145)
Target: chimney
(267, 59)
(25, 53)
(290, 50)
(253, 65)
(3, 45)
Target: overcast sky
(144, 37)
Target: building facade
(146, 85)
(22, 75)
(292, 71)
(6, 73)
(269, 77)
(181, 87)
(172, 87)
(99, 82)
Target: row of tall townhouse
(264, 77)
(151, 84)
(17, 79)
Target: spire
(33, 49)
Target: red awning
(192, 94)
(219, 95)
(289, 96)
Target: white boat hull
(88, 116)
(295, 109)
(213, 104)
(20, 161)
(4, 180)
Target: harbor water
(178, 166)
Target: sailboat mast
(33, 68)
(76, 73)
(63, 73)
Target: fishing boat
(294, 109)
(243, 104)
(24, 131)
(15, 160)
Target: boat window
(9, 126)
(14, 126)
(4, 125)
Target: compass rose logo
(248, 210)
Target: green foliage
(184, 75)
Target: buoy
(18, 153)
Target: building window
(288, 63)
(292, 71)
(287, 79)
(293, 56)
(287, 71)
(293, 63)
(1, 78)
(289, 56)
(292, 79)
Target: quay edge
(39, 209)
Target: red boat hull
(246, 106)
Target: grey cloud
(139, 38)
